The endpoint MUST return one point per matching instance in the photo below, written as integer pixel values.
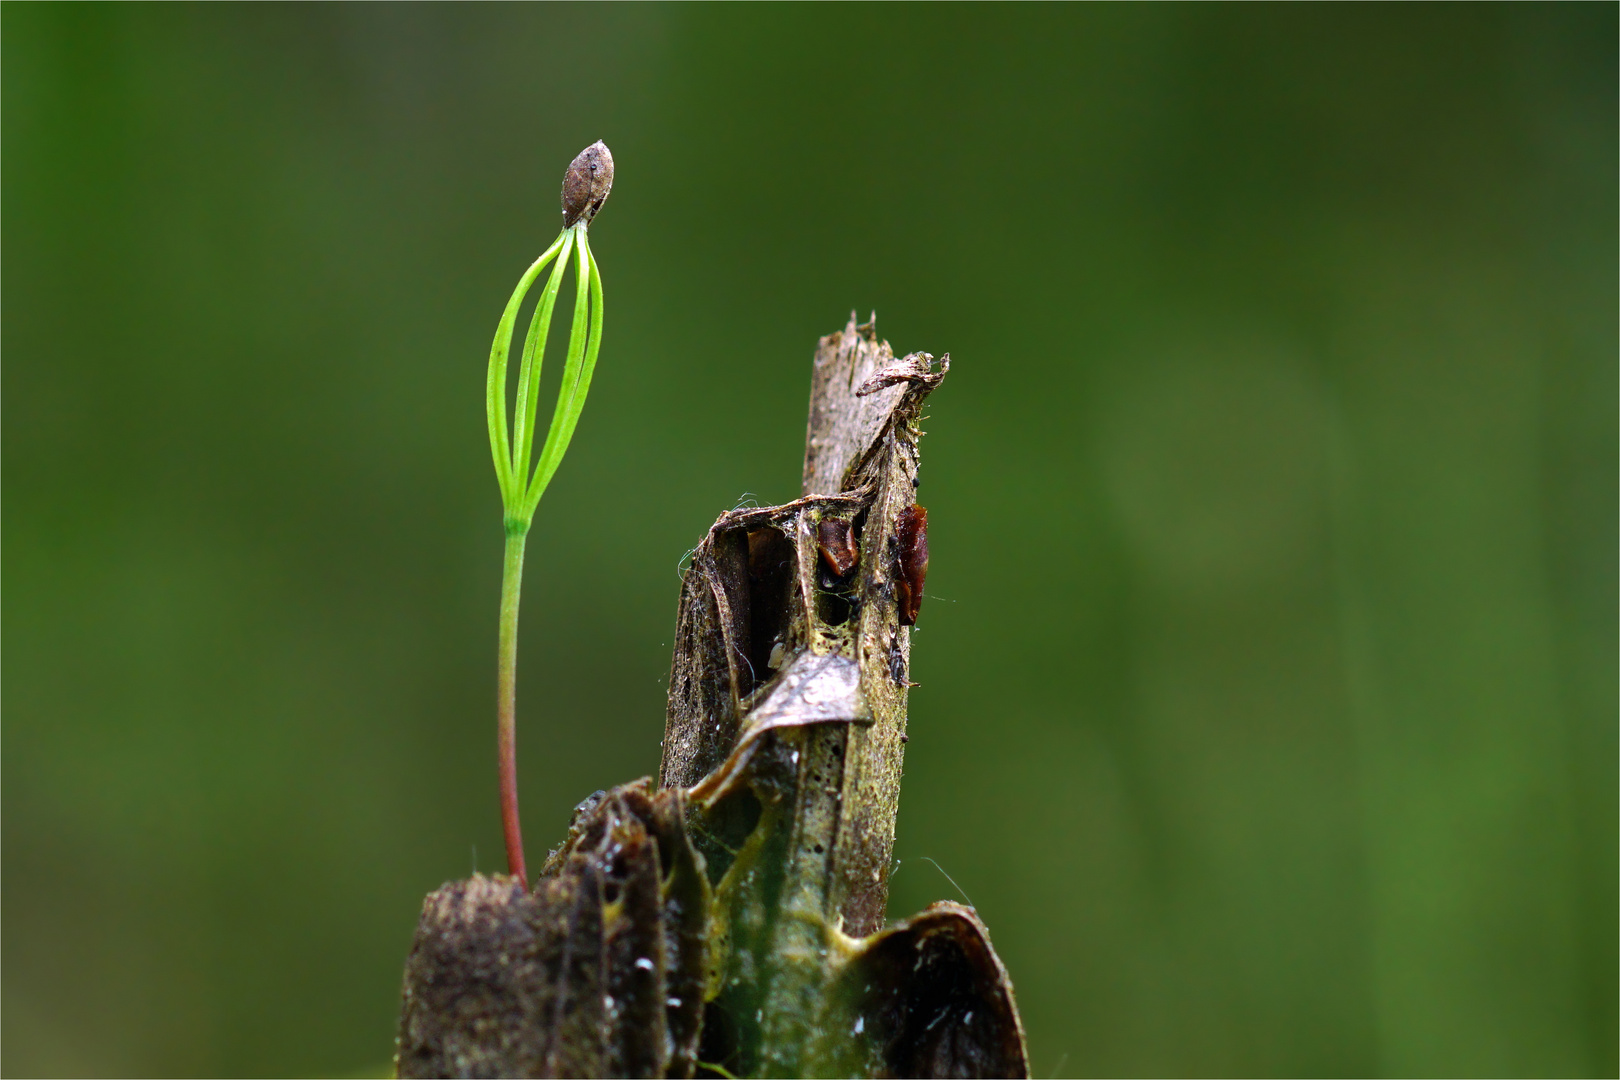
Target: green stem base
(506, 708)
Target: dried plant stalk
(729, 920)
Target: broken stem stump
(729, 920)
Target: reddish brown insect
(912, 530)
(836, 538)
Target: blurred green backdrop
(1268, 704)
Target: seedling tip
(586, 184)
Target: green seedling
(585, 188)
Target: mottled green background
(1268, 703)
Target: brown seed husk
(587, 183)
